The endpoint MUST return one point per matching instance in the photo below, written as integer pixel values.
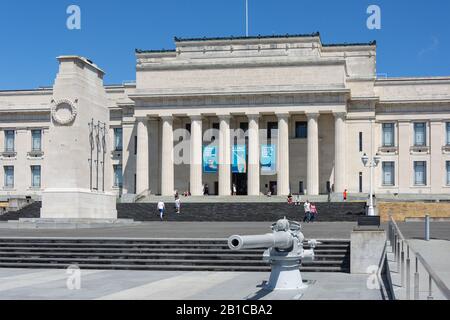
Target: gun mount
(284, 251)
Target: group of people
(309, 208)
(310, 212)
(161, 206)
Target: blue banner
(268, 159)
(210, 159)
(239, 156)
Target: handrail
(395, 240)
(380, 267)
(437, 280)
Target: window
(242, 133)
(420, 134)
(272, 126)
(9, 140)
(388, 173)
(118, 139)
(360, 182)
(448, 172)
(360, 142)
(243, 126)
(36, 140)
(117, 176)
(36, 176)
(9, 176)
(388, 134)
(301, 130)
(447, 129)
(135, 145)
(420, 173)
(216, 128)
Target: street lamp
(371, 163)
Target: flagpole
(246, 18)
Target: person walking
(177, 205)
(161, 206)
(313, 210)
(234, 189)
(307, 209)
(345, 195)
(297, 200)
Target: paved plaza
(168, 285)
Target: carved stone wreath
(64, 111)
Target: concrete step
(166, 268)
(221, 211)
(155, 254)
(218, 256)
(164, 261)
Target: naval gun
(284, 251)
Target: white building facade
(318, 108)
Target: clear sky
(413, 39)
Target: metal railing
(402, 252)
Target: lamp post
(371, 163)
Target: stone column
(253, 185)
(224, 156)
(154, 155)
(313, 155)
(436, 144)
(405, 166)
(339, 152)
(142, 176)
(196, 151)
(128, 158)
(283, 154)
(167, 167)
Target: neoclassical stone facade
(322, 106)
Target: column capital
(282, 115)
(167, 117)
(340, 114)
(142, 119)
(194, 117)
(224, 116)
(312, 115)
(253, 115)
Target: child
(313, 210)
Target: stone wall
(402, 210)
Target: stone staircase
(221, 211)
(155, 254)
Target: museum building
(287, 113)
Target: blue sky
(413, 40)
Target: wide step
(156, 254)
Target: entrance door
(301, 189)
(240, 180)
(273, 187)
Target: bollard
(430, 294)
(416, 282)
(427, 227)
(408, 275)
(402, 266)
(394, 246)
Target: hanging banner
(210, 159)
(268, 159)
(239, 156)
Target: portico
(191, 176)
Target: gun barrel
(280, 240)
